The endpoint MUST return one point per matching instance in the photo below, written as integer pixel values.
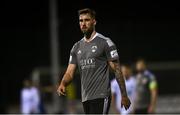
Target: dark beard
(87, 34)
(141, 71)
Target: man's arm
(153, 90)
(115, 66)
(67, 78)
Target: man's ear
(94, 22)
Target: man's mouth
(84, 27)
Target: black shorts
(97, 106)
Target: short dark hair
(87, 11)
(140, 59)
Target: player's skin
(127, 72)
(141, 66)
(87, 26)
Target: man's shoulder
(80, 41)
(102, 37)
(24, 90)
(76, 44)
(33, 88)
(149, 74)
(105, 39)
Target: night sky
(145, 28)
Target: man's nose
(83, 23)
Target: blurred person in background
(30, 98)
(71, 96)
(93, 55)
(146, 90)
(130, 86)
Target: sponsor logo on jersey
(114, 53)
(87, 63)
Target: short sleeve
(153, 82)
(111, 50)
(72, 57)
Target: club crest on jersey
(94, 48)
(114, 53)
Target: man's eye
(87, 19)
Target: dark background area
(149, 29)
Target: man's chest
(142, 82)
(90, 55)
(91, 50)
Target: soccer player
(93, 55)
(131, 88)
(146, 89)
(30, 98)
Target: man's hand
(61, 90)
(121, 82)
(125, 102)
(67, 78)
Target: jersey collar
(92, 37)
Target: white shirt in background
(30, 100)
(130, 87)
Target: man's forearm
(153, 98)
(67, 78)
(120, 79)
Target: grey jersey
(143, 89)
(92, 60)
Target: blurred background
(37, 36)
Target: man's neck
(89, 37)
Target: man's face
(27, 83)
(126, 71)
(87, 23)
(140, 66)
